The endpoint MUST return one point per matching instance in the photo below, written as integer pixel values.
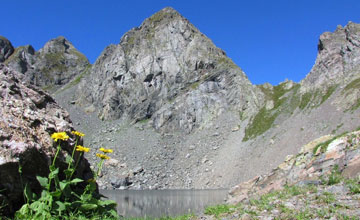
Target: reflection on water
(160, 203)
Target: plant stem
(73, 152)
(57, 152)
(53, 165)
(99, 168)
(77, 163)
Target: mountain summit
(166, 70)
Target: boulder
(28, 118)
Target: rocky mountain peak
(6, 49)
(337, 57)
(166, 70)
(164, 15)
(57, 45)
(52, 66)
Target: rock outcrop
(54, 65)
(338, 58)
(28, 117)
(6, 49)
(167, 71)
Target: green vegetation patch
(262, 121)
(157, 17)
(195, 85)
(80, 56)
(265, 118)
(226, 61)
(328, 93)
(305, 100)
(219, 209)
(77, 78)
(323, 146)
(63, 197)
(353, 185)
(355, 84)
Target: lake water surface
(160, 203)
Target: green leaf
(61, 207)
(56, 194)
(43, 181)
(68, 172)
(52, 168)
(24, 210)
(28, 193)
(68, 159)
(85, 197)
(104, 203)
(88, 206)
(63, 185)
(76, 180)
(53, 173)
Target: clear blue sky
(271, 40)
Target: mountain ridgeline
(166, 76)
(52, 66)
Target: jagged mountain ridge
(54, 65)
(338, 57)
(168, 71)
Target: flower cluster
(105, 151)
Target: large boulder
(28, 117)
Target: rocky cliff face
(28, 117)
(167, 71)
(338, 58)
(52, 66)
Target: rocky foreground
(28, 116)
(322, 181)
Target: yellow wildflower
(106, 150)
(59, 135)
(77, 133)
(103, 156)
(83, 149)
